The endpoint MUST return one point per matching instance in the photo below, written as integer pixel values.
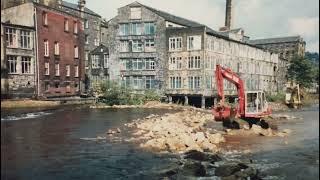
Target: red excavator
(252, 105)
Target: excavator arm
(222, 111)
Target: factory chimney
(229, 13)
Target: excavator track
(237, 123)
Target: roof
(170, 17)
(275, 40)
(100, 49)
(75, 6)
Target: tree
(301, 71)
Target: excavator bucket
(221, 113)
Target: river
(49, 145)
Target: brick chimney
(229, 13)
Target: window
(45, 18)
(175, 82)
(86, 60)
(76, 71)
(194, 62)
(86, 39)
(46, 48)
(194, 82)
(46, 86)
(76, 52)
(194, 42)
(11, 37)
(66, 25)
(106, 60)
(175, 43)
(136, 29)
(124, 29)
(96, 42)
(86, 24)
(150, 64)
(56, 48)
(175, 63)
(136, 46)
(149, 28)
(46, 68)
(68, 88)
(75, 27)
(95, 61)
(57, 70)
(56, 85)
(12, 62)
(25, 39)
(150, 82)
(67, 70)
(26, 65)
(138, 64)
(135, 13)
(124, 46)
(127, 64)
(137, 82)
(149, 45)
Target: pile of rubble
(176, 132)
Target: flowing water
(50, 145)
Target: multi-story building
(4, 73)
(193, 54)
(19, 60)
(60, 52)
(94, 30)
(99, 66)
(151, 49)
(286, 47)
(54, 62)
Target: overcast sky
(259, 18)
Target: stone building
(55, 50)
(99, 66)
(4, 73)
(286, 47)
(153, 49)
(18, 66)
(193, 54)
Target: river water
(49, 145)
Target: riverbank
(27, 103)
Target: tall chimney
(228, 21)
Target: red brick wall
(54, 32)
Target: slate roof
(275, 40)
(75, 6)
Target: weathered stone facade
(99, 66)
(286, 47)
(19, 59)
(191, 69)
(137, 56)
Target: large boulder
(201, 156)
(193, 169)
(229, 169)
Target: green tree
(301, 71)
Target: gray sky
(259, 18)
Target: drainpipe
(36, 53)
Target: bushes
(279, 97)
(113, 94)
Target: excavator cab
(256, 104)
